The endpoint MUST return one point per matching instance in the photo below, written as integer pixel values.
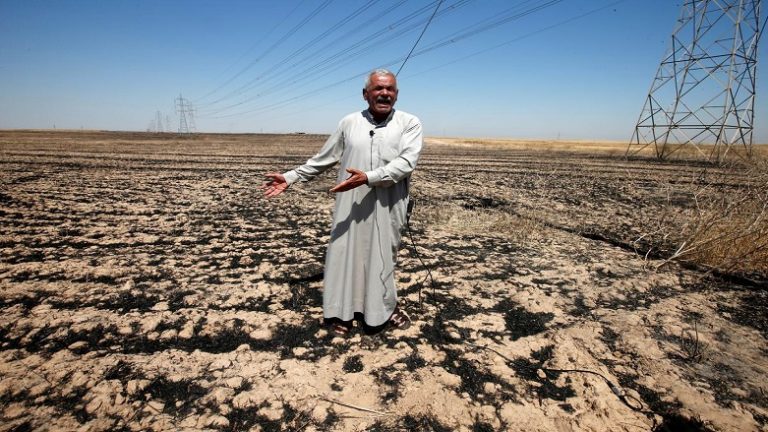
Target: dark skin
(381, 95)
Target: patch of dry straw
(455, 219)
(726, 228)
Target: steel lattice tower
(186, 115)
(158, 122)
(703, 95)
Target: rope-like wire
(631, 402)
(417, 40)
(423, 264)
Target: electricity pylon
(703, 95)
(186, 115)
(159, 122)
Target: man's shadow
(357, 213)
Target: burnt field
(146, 285)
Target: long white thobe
(367, 220)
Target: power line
(285, 37)
(519, 38)
(497, 46)
(322, 36)
(450, 39)
(494, 47)
(349, 53)
(247, 67)
(417, 40)
(313, 68)
(478, 28)
(467, 32)
(365, 43)
(365, 24)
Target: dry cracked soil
(145, 284)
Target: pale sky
(568, 69)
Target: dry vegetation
(726, 229)
(713, 216)
(147, 286)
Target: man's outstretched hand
(356, 178)
(275, 186)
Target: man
(378, 148)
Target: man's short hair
(376, 72)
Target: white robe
(367, 220)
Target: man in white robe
(378, 149)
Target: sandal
(340, 329)
(399, 319)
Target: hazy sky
(569, 69)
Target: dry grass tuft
(727, 228)
(455, 219)
(719, 155)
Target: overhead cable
(365, 43)
(347, 54)
(482, 26)
(420, 36)
(243, 70)
(286, 36)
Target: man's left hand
(356, 178)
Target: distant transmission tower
(186, 115)
(703, 95)
(159, 122)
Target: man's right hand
(275, 185)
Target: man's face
(381, 94)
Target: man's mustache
(386, 99)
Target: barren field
(146, 285)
